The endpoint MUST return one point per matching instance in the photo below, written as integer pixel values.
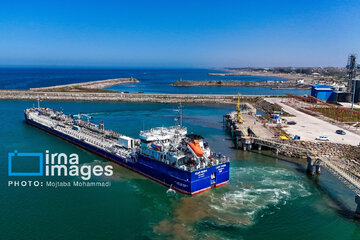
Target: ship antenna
(179, 118)
(181, 114)
(38, 100)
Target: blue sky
(179, 33)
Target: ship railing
(43, 121)
(90, 139)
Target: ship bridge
(162, 133)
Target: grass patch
(339, 114)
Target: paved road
(309, 127)
(258, 129)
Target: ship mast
(181, 114)
(179, 118)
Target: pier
(245, 132)
(249, 133)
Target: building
(322, 92)
(276, 118)
(356, 85)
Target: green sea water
(267, 197)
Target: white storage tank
(126, 142)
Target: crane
(239, 119)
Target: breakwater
(123, 97)
(87, 86)
(291, 76)
(269, 84)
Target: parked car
(322, 138)
(291, 123)
(341, 132)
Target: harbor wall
(124, 97)
(99, 84)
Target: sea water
(267, 197)
(151, 80)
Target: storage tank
(126, 142)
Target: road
(309, 127)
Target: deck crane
(81, 115)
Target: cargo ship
(168, 155)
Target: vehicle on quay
(291, 123)
(322, 138)
(341, 132)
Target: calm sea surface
(151, 80)
(267, 198)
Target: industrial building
(353, 80)
(335, 94)
(322, 92)
(329, 94)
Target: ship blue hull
(183, 181)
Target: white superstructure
(174, 146)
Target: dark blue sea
(151, 80)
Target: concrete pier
(310, 166)
(357, 211)
(313, 166)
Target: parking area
(309, 127)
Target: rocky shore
(344, 155)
